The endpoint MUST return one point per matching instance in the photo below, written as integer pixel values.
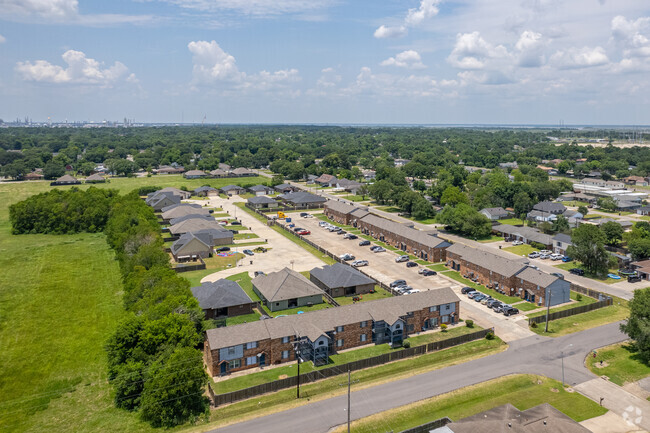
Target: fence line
(265, 210)
(426, 428)
(589, 292)
(313, 376)
(571, 311)
(182, 267)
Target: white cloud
(80, 70)
(575, 58)
(368, 83)
(213, 65)
(414, 17)
(255, 7)
(409, 59)
(530, 49)
(471, 51)
(2, 39)
(62, 11)
(632, 36)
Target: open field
(522, 391)
(512, 221)
(520, 250)
(620, 362)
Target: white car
(359, 263)
(517, 243)
(323, 223)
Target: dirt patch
(555, 390)
(601, 364)
(569, 389)
(282, 376)
(539, 382)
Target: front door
(224, 368)
(262, 360)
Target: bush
(538, 246)
(469, 323)
(489, 336)
(443, 327)
(578, 297)
(406, 344)
(534, 325)
(144, 190)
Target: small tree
(443, 327)
(469, 323)
(637, 326)
(584, 210)
(589, 248)
(613, 232)
(363, 191)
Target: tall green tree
(613, 232)
(589, 248)
(637, 326)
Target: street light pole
(562, 356)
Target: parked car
(556, 256)
(510, 311)
(332, 228)
(374, 247)
(466, 290)
(403, 289)
(577, 271)
(346, 257)
(427, 272)
(303, 214)
(515, 243)
(223, 223)
(484, 301)
(359, 263)
(567, 259)
(308, 216)
(633, 279)
(544, 256)
(258, 273)
(500, 307)
(304, 232)
(411, 264)
(404, 258)
(221, 249)
(410, 292)
(472, 295)
(295, 229)
(549, 252)
(533, 255)
(235, 223)
(291, 225)
(379, 250)
(364, 243)
(398, 283)
(349, 236)
(340, 232)
(557, 274)
(491, 302)
(248, 252)
(323, 223)
(479, 297)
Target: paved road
(534, 355)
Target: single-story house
(540, 216)
(219, 173)
(286, 289)
(183, 210)
(325, 179)
(341, 280)
(495, 213)
(162, 199)
(167, 169)
(302, 199)
(194, 174)
(66, 179)
(222, 298)
(645, 210)
(194, 225)
(629, 206)
(348, 185)
(233, 189)
(636, 180)
(261, 190)
(524, 234)
(242, 172)
(33, 176)
(192, 245)
(550, 207)
(561, 242)
(206, 191)
(285, 188)
(224, 167)
(642, 268)
(184, 195)
(262, 202)
(180, 219)
(95, 178)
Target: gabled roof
(302, 197)
(223, 166)
(67, 178)
(539, 278)
(156, 198)
(95, 178)
(204, 189)
(325, 178)
(192, 225)
(195, 173)
(180, 219)
(529, 233)
(340, 207)
(562, 237)
(492, 262)
(231, 188)
(285, 284)
(316, 323)
(242, 170)
(215, 233)
(496, 211)
(174, 206)
(183, 210)
(340, 275)
(262, 199)
(187, 238)
(176, 191)
(549, 206)
(284, 187)
(218, 172)
(388, 226)
(262, 188)
(220, 294)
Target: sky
(327, 61)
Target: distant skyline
(583, 62)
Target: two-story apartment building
(316, 335)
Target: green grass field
(491, 238)
(512, 221)
(620, 362)
(520, 250)
(379, 294)
(354, 197)
(522, 391)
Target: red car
(304, 232)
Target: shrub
(406, 344)
(443, 327)
(534, 325)
(578, 297)
(144, 190)
(469, 323)
(489, 336)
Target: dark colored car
(491, 302)
(466, 290)
(235, 223)
(303, 214)
(248, 252)
(397, 283)
(577, 271)
(428, 272)
(411, 264)
(258, 273)
(221, 249)
(633, 279)
(364, 243)
(297, 229)
(510, 311)
(341, 232)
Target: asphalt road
(534, 355)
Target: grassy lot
(379, 294)
(580, 322)
(525, 306)
(240, 236)
(391, 209)
(512, 221)
(353, 197)
(503, 298)
(575, 203)
(520, 250)
(399, 368)
(585, 300)
(328, 388)
(621, 363)
(575, 264)
(245, 318)
(492, 238)
(304, 309)
(522, 391)
(438, 267)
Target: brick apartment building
(319, 334)
(514, 276)
(424, 245)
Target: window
(285, 340)
(363, 337)
(445, 319)
(285, 354)
(235, 363)
(320, 343)
(434, 322)
(231, 351)
(364, 324)
(251, 345)
(433, 309)
(448, 307)
(411, 328)
(398, 326)
(339, 343)
(339, 329)
(251, 360)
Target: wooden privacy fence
(313, 376)
(426, 428)
(571, 311)
(589, 292)
(184, 267)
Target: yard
(522, 391)
(354, 197)
(512, 221)
(520, 250)
(241, 236)
(379, 294)
(620, 362)
(491, 238)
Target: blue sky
(327, 61)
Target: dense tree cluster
(637, 326)
(153, 361)
(589, 248)
(638, 240)
(62, 211)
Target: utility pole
(348, 400)
(298, 380)
(548, 307)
